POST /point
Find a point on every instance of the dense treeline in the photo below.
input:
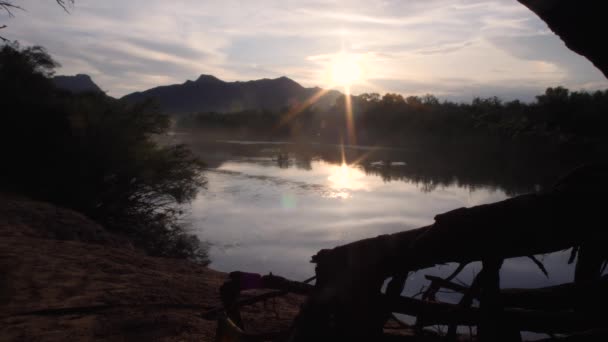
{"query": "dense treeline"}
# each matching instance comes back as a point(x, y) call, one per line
point(94, 154)
point(558, 117)
point(260, 124)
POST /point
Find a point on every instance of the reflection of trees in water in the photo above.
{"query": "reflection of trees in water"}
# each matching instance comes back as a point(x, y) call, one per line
point(282, 160)
point(304, 161)
point(512, 169)
point(429, 175)
point(430, 182)
point(300, 161)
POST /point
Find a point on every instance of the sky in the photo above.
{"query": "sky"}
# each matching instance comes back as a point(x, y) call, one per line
point(454, 49)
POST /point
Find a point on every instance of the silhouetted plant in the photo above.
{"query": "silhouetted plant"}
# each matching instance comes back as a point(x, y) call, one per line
point(95, 154)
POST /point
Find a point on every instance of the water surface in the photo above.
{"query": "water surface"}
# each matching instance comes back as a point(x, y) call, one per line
point(269, 207)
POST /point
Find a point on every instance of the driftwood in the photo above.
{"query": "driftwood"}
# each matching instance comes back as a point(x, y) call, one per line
point(527, 313)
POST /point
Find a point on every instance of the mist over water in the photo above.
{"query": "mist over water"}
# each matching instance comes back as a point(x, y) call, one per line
point(270, 206)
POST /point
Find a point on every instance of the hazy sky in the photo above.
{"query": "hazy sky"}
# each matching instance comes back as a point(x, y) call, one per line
point(454, 49)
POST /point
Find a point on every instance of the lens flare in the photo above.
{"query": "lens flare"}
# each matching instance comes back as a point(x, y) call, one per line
point(296, 110)
point(350, 122)
point(288, 201)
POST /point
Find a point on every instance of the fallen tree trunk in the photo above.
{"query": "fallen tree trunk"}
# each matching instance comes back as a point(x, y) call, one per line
point(347, 302)
point(521, 226)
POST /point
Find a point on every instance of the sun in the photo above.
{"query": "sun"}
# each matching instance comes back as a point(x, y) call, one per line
point(345, 70)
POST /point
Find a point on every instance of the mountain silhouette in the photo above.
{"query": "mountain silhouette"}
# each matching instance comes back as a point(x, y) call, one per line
point(76, 84)
point(210, 94)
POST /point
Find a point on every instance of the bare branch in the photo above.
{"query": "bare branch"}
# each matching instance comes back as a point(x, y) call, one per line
point(65, 4)
point(573, 255)
point(457, 271)
point(2, 38)
point(539, 264)
point(8, 7)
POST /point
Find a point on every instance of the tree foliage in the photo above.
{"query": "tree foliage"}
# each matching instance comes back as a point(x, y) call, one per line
point(94, 154)
point(558, 117)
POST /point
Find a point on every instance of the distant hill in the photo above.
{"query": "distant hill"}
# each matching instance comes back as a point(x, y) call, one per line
point(76, 84)
point(210, 94)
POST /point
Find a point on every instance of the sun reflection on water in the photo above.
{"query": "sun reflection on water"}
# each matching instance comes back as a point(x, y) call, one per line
point(346, 177)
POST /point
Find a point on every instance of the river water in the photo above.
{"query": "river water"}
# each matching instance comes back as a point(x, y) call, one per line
point(268, 207)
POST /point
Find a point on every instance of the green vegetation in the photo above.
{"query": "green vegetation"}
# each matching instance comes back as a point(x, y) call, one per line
point(94, 154)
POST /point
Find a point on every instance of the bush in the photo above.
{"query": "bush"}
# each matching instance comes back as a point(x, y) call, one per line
point(95, 154)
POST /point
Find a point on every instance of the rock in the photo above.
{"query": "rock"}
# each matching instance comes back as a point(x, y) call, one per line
point(23, 217)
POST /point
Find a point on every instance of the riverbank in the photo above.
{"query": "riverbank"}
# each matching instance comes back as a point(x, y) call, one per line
point(64, 277)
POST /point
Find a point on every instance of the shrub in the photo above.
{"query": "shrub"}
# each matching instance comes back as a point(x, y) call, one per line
point(95, 154)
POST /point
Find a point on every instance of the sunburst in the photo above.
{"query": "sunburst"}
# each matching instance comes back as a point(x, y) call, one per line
point(345, 70)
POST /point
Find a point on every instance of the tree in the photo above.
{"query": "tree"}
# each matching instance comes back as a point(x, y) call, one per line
point(370, 97)
point(430, 100)
point(94, 154)
point(413, 101)
point(558, 95)
point(390, 98)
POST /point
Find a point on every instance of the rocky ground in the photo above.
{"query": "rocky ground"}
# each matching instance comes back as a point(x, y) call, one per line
point(63, 277)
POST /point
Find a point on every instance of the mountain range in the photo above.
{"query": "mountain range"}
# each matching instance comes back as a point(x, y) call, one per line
point(76, 84)
point(210, 94)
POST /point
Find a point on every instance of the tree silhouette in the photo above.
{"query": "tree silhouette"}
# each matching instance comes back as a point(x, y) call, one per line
point(94, 154)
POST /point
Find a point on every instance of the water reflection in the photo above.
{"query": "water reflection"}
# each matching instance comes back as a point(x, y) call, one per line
point(512, 170)
point(346, 177)
point(282, 160)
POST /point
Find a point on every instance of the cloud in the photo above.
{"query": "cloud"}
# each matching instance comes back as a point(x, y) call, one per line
point(488, 45)
point(465, 90)
point(548, 48)
point(444, 49)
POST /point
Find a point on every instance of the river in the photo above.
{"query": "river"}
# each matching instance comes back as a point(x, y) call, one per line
point(268, 207)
